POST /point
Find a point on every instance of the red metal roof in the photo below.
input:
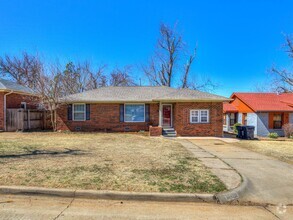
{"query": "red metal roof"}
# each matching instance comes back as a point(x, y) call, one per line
point(267, 101)
point(227, 107)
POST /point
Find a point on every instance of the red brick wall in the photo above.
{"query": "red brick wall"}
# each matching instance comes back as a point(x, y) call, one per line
point(105, 117)
point(155, 131)
point(1, 111)
point(182, 125)
point(14, 101)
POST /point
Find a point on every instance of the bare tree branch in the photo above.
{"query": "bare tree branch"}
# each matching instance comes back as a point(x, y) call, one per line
point(121, 77)
point(283, 79)
point(166, 67)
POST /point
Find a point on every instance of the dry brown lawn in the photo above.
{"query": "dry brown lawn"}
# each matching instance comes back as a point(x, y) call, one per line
point(283, 150)
point(121, 162)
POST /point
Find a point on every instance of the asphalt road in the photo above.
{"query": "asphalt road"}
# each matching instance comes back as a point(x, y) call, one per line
point(41, 207)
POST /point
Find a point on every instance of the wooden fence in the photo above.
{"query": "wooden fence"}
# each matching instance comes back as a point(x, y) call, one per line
point(21, 120)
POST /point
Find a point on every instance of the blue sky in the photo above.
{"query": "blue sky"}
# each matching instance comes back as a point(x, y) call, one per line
point(238, 41)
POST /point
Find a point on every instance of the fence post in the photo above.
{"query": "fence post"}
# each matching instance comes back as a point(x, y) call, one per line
point(20, 120)
point(28, 119)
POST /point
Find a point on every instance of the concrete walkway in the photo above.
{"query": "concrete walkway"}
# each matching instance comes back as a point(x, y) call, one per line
point(269, 180)
point(40, 207)
point(224, 172)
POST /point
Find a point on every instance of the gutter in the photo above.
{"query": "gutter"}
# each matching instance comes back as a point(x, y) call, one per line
point(11, 91)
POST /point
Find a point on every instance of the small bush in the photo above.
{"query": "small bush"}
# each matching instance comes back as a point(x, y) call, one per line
point(288, 130)
point(273, 135)
point(234, 127)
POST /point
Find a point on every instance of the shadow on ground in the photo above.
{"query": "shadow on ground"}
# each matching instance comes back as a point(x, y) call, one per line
point(44, 152)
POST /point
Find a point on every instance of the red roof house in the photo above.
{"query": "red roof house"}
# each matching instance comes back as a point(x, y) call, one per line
point(268, 112)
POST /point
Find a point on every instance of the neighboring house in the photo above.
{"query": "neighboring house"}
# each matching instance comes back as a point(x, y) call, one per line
point(182, 112)
point(13, 95)
point(268, 112)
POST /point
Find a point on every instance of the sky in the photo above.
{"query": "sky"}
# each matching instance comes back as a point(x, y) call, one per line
point(237, 41)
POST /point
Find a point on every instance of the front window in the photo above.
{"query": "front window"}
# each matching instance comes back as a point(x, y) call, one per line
point(199, 116)
point(277, 121)
point(79, 112)
point(134, 113)
point(232, 119)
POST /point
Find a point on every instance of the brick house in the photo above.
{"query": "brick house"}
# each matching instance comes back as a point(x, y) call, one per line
point(14, 96)
point(158, 109)
point(268, 112)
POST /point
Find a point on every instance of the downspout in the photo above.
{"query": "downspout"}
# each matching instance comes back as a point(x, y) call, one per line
point(160, 114)
point(11, 91)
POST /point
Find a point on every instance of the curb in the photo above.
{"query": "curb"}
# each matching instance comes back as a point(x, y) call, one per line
point(234, 194)
point(223, 197)
point(109, 195)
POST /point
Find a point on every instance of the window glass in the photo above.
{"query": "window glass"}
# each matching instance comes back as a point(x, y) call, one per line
point(232, 119)
point(194, 116)
point(134, 113)
point(204, 116)
point(199, 116)
point(78, 112)
point(277, 121)
point(78, 108)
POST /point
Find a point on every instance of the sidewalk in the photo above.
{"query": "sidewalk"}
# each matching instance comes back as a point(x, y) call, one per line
point(225, 139)
point(228, 175)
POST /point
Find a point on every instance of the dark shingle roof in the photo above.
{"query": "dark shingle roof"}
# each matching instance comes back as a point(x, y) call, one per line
point(9, 85)
point(142, 94)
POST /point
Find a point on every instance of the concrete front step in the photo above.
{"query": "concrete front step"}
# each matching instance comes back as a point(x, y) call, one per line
point(169, 132)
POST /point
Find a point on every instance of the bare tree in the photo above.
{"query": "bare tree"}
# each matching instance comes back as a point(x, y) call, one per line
point(49, 88)
point(81, 77)
point(167, 66)
point(184, 80)
point(283, 78)
point(96, 78)
point(160, 71)
point(121, 77)
point(25, 70)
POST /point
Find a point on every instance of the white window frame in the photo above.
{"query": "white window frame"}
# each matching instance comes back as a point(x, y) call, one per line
point(199, 116)
point(73, 111)
point(134, 104)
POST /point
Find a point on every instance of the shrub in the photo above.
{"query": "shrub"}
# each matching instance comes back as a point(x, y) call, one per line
point(234, 127)
point(273, 135)
point(288, 130)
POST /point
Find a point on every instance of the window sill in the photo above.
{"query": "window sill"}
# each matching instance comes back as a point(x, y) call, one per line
point(133, 122)
point(196, 123)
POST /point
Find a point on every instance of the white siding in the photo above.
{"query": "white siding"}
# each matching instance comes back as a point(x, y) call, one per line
point(239, 119)
point(252, 121)
point(262, 124)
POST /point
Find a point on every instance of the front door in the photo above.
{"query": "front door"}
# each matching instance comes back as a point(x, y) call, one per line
point(167, 115)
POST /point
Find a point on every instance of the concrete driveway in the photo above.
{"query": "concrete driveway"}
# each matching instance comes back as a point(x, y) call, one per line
point(269, 180)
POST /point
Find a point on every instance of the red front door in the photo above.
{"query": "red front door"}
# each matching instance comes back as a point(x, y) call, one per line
point(167, 116)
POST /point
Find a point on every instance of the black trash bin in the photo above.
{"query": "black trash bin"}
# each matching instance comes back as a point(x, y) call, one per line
point(250, 132)
point(245, 132)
